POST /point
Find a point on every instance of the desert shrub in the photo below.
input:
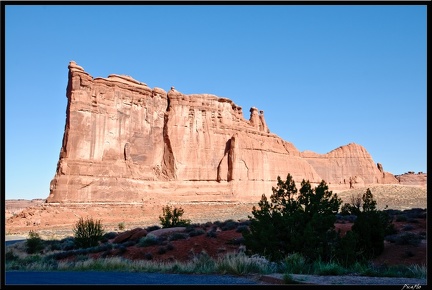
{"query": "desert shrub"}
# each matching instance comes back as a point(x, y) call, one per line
point(67, 244)
point(148, 240)
point(178, 236)
point(295, 263)
point(106, 254)
point(229, 225)
point(122, 249)
point(217, 224)
point(246, 222)
point(34, 243)
point(390, 271)
point(190, 228)
point(401, 218)
point(393, 212)
point(53, 245)
point(242, 228)
point(95, 249)
point(294, 222)
point(236, 241)
point(162, 250)
point(110, 235)
point(81, 258)
point(211, 233)
point(416, 213)
point(32, 259)
point(407, 228)
point(62, 255)
point(10, 256)
point(171, 217)
point(330, 268)
point(105, 247)
point(196, 232)
point(408, 238)
point(203, 263)
point(81, 251)
point(391, 238)
point(121, 226)
point(129, 243)
point(152, 228)
point(241, 264)
point(88, 232)
point(413, 220)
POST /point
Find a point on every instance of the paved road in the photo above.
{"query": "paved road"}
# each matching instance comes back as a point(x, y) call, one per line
point(120, 278)
point(10, 242)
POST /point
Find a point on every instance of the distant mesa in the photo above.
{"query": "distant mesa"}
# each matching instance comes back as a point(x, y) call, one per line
point(127, 142)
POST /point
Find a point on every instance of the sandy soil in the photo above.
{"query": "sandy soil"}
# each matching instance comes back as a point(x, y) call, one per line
point(57, 220)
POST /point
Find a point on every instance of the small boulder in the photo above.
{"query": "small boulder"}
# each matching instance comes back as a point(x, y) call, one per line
point(123, 237)
point(166, 231)
point(138, 235)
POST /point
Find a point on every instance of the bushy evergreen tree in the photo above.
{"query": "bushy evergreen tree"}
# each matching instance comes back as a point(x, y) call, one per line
point(294, 222)
point(370, 226)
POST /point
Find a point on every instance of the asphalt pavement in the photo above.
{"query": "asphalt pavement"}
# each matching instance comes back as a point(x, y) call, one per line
point(120, 278)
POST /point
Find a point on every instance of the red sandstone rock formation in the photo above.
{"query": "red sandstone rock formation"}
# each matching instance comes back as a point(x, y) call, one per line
point(126, 142)
point(411, 178)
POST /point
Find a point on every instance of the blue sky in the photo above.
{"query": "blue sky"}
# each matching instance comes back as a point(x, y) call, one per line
point(325, 75)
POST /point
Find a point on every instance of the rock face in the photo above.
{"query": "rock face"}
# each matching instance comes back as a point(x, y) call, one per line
point(126, 142)
point(411, 178)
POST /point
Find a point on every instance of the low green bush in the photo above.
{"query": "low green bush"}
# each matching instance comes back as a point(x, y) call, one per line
point(329, 268)
point(242, 229)
point(408, 238)
point(148, 240)
point(178, 236)
point(296, 264)
point(196, 232)
point(229, 225)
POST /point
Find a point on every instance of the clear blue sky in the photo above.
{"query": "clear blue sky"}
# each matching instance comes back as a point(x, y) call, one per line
point(325, 75)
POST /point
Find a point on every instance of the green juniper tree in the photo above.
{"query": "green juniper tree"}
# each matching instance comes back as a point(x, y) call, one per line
point(370, 227)
point(294, 222)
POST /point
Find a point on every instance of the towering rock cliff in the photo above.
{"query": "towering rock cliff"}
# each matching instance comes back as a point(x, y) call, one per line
point(126, 142)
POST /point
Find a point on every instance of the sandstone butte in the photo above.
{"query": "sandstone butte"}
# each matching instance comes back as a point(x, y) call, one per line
point(126, 142)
